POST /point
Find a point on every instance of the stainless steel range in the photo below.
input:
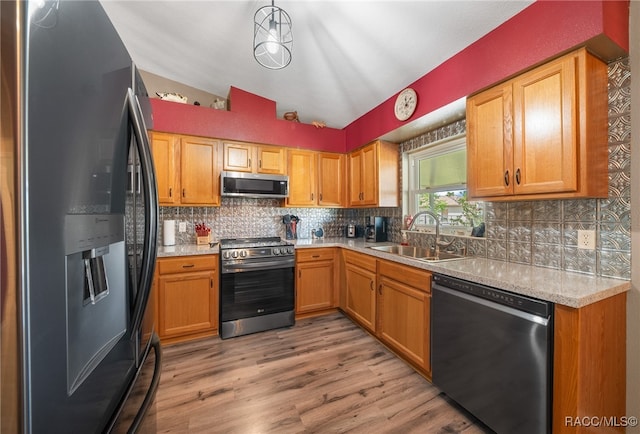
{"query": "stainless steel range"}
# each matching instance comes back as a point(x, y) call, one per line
point(257, 286)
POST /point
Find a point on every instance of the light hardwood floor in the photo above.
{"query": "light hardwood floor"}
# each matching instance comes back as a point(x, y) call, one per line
point(324, 375)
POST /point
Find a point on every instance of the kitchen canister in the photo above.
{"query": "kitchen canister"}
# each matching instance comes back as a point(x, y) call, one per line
point(169, 233)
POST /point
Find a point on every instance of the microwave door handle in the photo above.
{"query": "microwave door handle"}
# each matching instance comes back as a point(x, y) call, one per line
point(150, 190)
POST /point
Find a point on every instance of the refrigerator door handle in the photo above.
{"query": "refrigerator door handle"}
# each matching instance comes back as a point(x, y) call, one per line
point(155, 382)
point(150, 190)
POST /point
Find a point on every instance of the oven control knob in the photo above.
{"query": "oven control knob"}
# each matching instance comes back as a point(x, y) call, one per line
point(290, 250)
point(276, 251)
point(243, 253)
point(225, 255)
point(234, 254)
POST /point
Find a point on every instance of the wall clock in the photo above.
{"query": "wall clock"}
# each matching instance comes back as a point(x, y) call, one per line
point(406, 104)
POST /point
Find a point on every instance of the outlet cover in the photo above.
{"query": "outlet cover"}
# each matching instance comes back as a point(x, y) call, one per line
point(182, 227)
point(586, 240)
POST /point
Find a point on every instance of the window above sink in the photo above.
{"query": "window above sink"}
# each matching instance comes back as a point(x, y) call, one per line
point(435, 179)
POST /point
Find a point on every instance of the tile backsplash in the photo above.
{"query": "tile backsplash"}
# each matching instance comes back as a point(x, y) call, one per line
point(542, 233)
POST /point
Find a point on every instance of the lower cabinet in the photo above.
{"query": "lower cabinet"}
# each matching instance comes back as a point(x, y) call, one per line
point(360, 301)
point(404, 306)
point(316, 288)
point(187, 297)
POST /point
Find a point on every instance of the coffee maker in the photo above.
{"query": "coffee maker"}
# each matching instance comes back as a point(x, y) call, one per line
point(376, 229)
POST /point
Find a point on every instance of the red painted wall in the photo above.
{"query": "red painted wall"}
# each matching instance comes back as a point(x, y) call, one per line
point(252, 118)
point(542, 31)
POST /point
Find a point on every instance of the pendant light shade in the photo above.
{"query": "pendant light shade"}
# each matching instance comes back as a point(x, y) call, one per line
point(272, 37)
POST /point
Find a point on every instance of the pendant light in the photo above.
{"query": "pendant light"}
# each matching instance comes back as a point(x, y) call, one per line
point(272, 37)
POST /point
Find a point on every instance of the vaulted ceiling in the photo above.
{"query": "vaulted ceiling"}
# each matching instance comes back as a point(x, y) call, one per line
point(348, 56)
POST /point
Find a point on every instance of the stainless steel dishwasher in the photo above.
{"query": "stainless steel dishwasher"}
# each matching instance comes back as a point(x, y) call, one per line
point(491, 352)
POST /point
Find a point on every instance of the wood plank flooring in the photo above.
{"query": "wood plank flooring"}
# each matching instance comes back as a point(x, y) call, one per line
point(324, 375)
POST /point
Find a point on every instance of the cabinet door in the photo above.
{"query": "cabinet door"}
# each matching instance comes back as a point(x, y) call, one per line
point(369, 175)
point(271, 160)
point(355, 177)
point(302, 178)
point(489, 143)
point(545, 129)
point(361, 295)
point(331, 174)
point(404, 320)
point(237, 156)
point(314, 286)
point(200, 178)
point(187, 303)
point(165, 150)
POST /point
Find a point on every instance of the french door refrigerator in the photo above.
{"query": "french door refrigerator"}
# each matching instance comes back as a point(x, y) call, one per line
point(78, 226)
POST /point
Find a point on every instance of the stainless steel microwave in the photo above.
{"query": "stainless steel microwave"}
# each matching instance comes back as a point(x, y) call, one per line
point(242, 184)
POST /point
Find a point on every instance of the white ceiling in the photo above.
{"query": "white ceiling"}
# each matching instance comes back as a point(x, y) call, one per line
point(348, 56)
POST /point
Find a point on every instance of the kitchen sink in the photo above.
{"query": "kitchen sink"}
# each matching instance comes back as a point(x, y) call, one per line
point(421, 253)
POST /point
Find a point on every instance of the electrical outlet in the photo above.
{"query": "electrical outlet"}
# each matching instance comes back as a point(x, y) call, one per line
point(587, 240)
point(182, 227)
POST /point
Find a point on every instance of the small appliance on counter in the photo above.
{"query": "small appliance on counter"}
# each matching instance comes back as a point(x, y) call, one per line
point(351, 231)
point(376, 229)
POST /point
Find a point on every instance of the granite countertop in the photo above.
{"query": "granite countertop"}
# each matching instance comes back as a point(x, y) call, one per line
point(562, 287)
point(187, 250)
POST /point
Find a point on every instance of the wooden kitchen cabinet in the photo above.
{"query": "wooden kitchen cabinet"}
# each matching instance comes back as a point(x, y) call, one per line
point(252, 158)
point(589, 365)
point(166, 157)
point(542, 134)
point(187, 169)
point(315, 178)
point(316, 288)
point(187, 297)
point(360, 276)
point(404, 309)
point(373, 175)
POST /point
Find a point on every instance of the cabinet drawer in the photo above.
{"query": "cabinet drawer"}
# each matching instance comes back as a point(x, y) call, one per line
point(411, 276)
point(361, 260)
point(320, 254)
point(186, 264)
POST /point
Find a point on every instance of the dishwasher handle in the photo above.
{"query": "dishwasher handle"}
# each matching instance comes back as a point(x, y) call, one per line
point(509, 299)
point(542, 320)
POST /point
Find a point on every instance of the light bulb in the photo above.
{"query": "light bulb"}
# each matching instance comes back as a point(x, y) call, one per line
point(272, 39)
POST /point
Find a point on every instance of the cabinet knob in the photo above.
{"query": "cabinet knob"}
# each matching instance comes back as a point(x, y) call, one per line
point(380, 289)
point(170, 192)
point(249, 162)
point(506, 177)
point(184, 193)
point(371, 284)
point(518, 176)
point(311, 196)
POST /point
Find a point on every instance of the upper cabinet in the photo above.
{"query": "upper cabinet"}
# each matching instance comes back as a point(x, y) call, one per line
point(315, 178)
point(541, 135)
point(373, 175)
point(187, 169)
point(247, 157)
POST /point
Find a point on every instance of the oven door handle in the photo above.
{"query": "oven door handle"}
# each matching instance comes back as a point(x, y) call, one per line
point(257, 266)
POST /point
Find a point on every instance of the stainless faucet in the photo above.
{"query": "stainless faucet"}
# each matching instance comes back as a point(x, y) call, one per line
point(437, 219)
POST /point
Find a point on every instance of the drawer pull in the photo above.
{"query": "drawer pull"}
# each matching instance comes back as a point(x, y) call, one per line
point(315, 256)
point(188, 266)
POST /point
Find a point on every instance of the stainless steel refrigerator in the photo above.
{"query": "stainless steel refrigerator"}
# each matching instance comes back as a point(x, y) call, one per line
point(78, 225)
